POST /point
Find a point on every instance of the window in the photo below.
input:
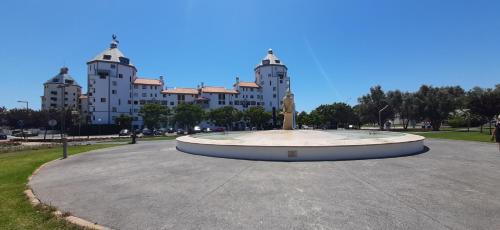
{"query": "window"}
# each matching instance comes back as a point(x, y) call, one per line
point(180, 98)
point(274, 95)
point(129, 102)
point(144, 87)
point(135, 102)
point(106, 57)
point(113, 66)
point(251, 89)
point(120, 75)
point(270, 83)
point(144, 94)
point(113, 109)
point(251, 96)
point(113, 83)
point(119, 101)
point(103, 99)
point(274, 88)
point(171, 103)
point(151, 87)
point(135, 87)
point(113, 91)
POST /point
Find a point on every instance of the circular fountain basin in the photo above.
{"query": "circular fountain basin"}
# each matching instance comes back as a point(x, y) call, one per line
point(302, 145)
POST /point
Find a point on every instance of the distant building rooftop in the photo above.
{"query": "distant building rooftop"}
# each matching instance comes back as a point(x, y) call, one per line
point(147, 81)
point(180, 91)
point(217, 89)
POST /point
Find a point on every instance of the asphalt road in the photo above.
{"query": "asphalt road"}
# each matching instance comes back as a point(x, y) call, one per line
point(151, 185)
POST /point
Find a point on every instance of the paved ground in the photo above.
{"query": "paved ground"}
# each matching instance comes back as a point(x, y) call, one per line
point(454, 185)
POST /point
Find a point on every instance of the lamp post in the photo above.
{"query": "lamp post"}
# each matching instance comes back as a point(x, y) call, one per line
point(380, 117)
point(63, 120)
point(26, 102)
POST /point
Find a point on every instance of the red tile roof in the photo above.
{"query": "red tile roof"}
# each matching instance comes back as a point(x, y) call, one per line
point(145, 81)
point(180, 91)
point(248, 84)
point(217, 89)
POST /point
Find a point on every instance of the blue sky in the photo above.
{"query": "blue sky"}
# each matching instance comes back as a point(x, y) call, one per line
point(335, 50)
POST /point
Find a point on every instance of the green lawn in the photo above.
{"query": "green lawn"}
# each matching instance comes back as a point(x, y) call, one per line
point(157, 138)
point(453, 135)
point(16, 211)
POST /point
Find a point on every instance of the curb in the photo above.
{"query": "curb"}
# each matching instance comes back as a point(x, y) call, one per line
point(70, 218)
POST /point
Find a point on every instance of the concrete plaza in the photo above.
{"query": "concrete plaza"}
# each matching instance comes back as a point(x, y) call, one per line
point(151, 185)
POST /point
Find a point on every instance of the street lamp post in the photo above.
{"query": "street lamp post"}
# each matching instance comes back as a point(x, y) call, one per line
point(63, 121)
point(26, 102)
point(380, 117)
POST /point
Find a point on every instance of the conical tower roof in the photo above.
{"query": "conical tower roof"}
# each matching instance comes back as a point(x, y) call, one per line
point(62, 78)
point(112, 54)
point(270, 59)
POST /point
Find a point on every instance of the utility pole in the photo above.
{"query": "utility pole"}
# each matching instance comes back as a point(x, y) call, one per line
point(63, 121)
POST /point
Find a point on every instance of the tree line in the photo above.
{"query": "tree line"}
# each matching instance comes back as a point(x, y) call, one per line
point(434, 105)
point(188, 115)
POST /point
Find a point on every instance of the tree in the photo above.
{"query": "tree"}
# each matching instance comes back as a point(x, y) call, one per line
point(152, 114)
point(436, 103)
point(484, 102)
point(371, 104)
point(403, 104)
point(188, 115)
point(316, 119)
point(124, 121)
point(335, 115)
point(302, 119)
point(257, 116)
point(224, 116)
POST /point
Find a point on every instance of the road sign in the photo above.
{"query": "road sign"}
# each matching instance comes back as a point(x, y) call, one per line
point(52, 123)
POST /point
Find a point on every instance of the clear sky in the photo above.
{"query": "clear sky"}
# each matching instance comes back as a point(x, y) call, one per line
point(335, 50)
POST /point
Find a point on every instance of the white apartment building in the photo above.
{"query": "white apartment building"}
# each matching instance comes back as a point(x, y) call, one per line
point(114, 89)
point(54, 88)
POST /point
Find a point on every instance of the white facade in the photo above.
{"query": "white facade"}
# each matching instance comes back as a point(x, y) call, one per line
point(53, 89)
point(110, 77)
point(271, 75)
point(115, 89)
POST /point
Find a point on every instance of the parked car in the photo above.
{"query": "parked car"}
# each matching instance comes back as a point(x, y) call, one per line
point(170, 130)
point(219, 129)
point(147, 132)
point(3, 136)
point(158, 132)
point(180, 131)
point(25, 133)
point(206, 130)
point(124, 132)
point(197, 129)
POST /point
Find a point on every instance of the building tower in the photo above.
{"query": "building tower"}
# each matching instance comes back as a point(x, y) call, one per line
point(110, 78)
point(271, 75)
point(52, 92)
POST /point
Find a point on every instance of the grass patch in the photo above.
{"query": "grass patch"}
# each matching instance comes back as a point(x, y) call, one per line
point(157, 138)
point(464, 136)
point(16, 211)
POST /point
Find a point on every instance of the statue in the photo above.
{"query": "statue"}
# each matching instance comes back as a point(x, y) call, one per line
point(288, 110)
